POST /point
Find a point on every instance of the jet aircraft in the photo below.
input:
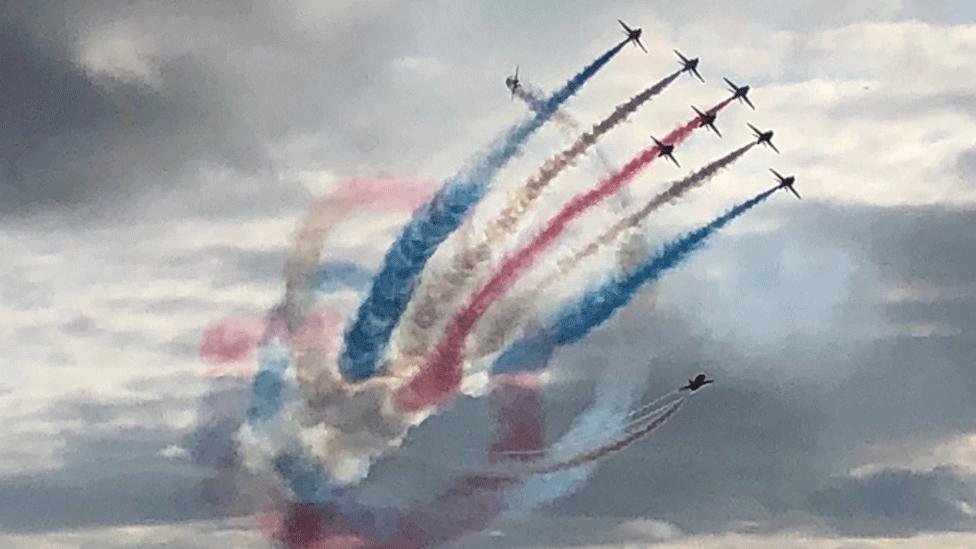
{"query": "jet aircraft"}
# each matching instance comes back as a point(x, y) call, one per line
point(763, 137)
point(665, 149)
point(633, 35)
point(697, 383)
point(689, 65)
point(786, 182)
point(707, 119)
point(512, 82)
point(739, 92)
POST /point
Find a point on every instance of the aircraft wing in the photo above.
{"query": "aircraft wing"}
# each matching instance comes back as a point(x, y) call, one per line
point(746, 99)
point(700, 114)
point(777, 174)
point(773, 146)
point(683, 58)
point(698, 75)
point(624, 25)
point(718, 133)
point(673, 159)
point(754, 129)
point(641, 45)
point(729, 82)
point(796, 194)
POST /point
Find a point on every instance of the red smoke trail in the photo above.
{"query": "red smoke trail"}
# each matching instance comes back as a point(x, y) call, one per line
point(520, 422)
point(442, 376)
point(231, 339)
point(475, 500)
point(468, 505)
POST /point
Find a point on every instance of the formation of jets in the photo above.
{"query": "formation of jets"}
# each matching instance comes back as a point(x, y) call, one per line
point(705, 119)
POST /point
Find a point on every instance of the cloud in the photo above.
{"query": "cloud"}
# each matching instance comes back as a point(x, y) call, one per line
point(104, 104)
point(839, 328)
point(899, 502)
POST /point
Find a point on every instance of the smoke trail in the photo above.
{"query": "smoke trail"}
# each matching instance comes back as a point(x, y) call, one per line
point(231, 339)
point(617, 445)
point(620, 423)
point(270, 439)
point(368, 336)
point(673, 192)
point(534, 98)
point(442, 375)
point(442, 290)
point(630, 432)
point(324, 216)
point(469, 504)
point(596, 306)
point(503, 326)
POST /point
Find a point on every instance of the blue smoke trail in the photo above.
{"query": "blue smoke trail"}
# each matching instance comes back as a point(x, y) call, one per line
point(578, 319)
point(333, 276)
point(368, 336)
point(300, 471)
point(304, 475)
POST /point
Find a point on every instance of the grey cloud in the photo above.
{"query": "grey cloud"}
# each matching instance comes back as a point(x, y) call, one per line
point(117, 475)
point(898, 502)
point(90, 142)
point(762, 445)
point(966, 166)
point(68, 139)
point(795, 402)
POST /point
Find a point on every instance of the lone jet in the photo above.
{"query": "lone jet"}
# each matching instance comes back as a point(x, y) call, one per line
point(512, 82)
point(763, 137)
point(740, 93)
point(665, 149)
point(707, 120)
point(697, 383)
point(785, 182)
point(633, 35)
point(689, 65)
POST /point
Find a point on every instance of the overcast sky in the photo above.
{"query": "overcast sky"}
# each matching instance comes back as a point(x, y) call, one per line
point(155, 159)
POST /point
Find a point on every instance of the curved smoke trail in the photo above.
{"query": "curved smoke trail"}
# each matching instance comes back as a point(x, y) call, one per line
point(441, 290)
point(596, 306)
point(616, 446)
point(523, 464)
point(442, 375)
point(297, 338)
point(306, 254)
point(469, 504)
point(501, 329)
point(369, 334)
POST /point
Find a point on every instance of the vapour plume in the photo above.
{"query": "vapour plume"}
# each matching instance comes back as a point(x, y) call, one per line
point(502, 326)
point(440, 291)
point(594, 307)
point(534, 98)
point(443, 372)
point(369, 334)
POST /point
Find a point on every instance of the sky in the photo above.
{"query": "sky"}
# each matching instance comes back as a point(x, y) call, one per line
point(156, 158)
